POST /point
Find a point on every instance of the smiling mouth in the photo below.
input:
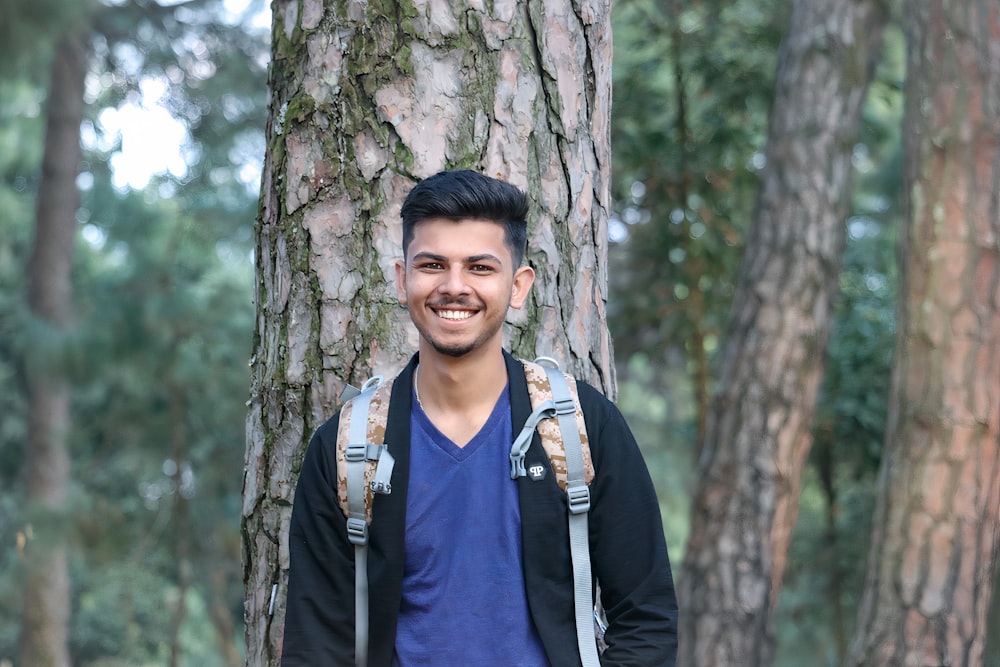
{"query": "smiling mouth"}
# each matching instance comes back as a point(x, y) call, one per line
point(454, 315)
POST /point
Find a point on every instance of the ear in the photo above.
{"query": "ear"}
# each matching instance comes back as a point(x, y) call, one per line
point(524, 277)
point(401, 281)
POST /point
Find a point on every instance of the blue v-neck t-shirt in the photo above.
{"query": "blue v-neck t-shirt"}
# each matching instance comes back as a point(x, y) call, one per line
point(464, 599)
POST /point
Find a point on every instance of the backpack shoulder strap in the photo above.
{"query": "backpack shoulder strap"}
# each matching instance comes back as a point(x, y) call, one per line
point(364, 468)
point(557, 415)
point(551, 390)
point(362, 423)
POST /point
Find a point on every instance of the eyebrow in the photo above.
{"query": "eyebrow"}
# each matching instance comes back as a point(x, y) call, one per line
point(472, 259)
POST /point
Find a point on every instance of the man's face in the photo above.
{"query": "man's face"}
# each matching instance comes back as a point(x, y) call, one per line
point(458, 281)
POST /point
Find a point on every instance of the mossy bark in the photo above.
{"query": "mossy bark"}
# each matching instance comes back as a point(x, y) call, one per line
point(368, 98)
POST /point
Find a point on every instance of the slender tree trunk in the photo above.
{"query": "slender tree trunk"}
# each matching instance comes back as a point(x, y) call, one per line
point(758, 432)
point(696, 309)
point(363, 105)
point(45, 615)
point(181, 526)
point(936, 537)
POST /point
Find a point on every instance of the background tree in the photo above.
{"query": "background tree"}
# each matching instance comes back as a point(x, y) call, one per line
point(823, 577)
point(759, 429)
point(935, 546)
point(688, 129)
point(45, 625)
point(366, 100)
point(161, 289)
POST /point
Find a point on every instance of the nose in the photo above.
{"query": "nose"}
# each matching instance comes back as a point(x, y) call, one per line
point(454, 282)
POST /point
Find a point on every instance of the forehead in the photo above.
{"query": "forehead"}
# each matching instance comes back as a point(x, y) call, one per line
point(459, 238)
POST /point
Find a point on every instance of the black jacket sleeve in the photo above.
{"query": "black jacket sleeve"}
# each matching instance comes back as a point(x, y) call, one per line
point(628, 550)
point(319, 616)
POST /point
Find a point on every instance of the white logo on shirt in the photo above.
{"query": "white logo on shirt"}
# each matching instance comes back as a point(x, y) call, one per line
point(536, 472)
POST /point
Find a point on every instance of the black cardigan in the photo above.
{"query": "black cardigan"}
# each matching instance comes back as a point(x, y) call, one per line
point(628, 552)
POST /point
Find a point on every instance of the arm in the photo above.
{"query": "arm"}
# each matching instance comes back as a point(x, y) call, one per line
point(628, 550)
point(319, 618)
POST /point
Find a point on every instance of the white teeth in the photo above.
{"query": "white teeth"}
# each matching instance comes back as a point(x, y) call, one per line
point(454, 314)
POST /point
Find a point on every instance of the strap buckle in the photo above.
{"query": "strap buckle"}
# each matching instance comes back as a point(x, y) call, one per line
point(579, 498)
point(357, 531)
point(565, 406)
point(356, 453)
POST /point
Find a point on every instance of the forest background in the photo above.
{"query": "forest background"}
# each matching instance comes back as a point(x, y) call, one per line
point(156, 351)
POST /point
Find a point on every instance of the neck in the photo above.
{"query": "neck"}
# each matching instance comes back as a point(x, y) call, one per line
point(453, 384)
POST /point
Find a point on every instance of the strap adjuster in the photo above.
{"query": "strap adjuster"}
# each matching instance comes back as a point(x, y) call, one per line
point(579, 498)
point(356, 453)
point(357, 531)
point(565, 406)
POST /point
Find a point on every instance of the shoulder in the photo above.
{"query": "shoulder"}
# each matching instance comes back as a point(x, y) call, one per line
point(592, 397)
point(320, 461)
point(608, 433)
point(597, 408)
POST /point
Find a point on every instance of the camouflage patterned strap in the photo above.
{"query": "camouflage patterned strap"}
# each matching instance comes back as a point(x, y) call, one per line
point(362, 422)
point(364, 467)
point(578, 497)
point(540, 391)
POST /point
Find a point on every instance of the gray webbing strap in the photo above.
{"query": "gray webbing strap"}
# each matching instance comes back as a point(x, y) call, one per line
point(579, 504)
point(359, 452)
point(523, 441)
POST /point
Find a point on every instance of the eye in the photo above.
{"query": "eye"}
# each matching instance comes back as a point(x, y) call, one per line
point(481, 268)
point(430, 266)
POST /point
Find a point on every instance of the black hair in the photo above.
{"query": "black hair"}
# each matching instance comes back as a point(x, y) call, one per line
point(465, 194)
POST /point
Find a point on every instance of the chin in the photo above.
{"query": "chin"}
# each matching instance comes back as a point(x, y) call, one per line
point(453, 350)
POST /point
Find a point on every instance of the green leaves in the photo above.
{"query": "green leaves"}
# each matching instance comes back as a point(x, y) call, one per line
point(163, 299)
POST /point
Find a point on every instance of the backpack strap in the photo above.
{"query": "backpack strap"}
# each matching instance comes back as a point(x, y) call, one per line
point(554, 394)
point(364, 468)
point(549, 430)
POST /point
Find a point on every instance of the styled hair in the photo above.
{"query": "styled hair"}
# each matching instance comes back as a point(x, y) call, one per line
point(465, 194)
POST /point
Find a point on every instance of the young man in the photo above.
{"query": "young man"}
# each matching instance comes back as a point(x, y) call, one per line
point(466, 566)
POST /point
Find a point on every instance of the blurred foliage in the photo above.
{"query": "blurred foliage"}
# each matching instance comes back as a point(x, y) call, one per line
point(693, 84)
point(163, 287)
point(29, 28)
point(660, 412)
point(695, 81)
point(692, 87)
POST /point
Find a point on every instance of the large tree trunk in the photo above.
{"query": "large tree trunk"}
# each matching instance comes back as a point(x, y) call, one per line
point(46, 611)
point(936, 536)
point(758, 432)
point(363, 105)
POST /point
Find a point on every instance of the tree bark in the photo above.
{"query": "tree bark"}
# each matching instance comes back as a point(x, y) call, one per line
point(936, 537)
point(368, 98)
point(45, 615)
point(759, 427)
